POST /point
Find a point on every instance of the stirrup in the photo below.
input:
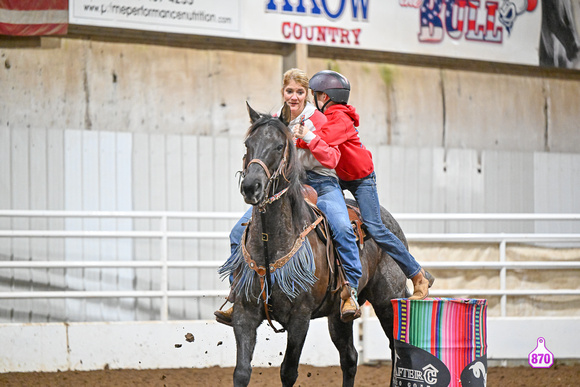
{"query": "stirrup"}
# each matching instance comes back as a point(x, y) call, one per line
point(348, 294)
point(221, 316)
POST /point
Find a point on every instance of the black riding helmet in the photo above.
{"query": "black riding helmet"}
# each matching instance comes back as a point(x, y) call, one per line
point(335, 85)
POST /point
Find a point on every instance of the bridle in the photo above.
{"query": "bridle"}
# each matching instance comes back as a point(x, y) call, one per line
point(272, 178)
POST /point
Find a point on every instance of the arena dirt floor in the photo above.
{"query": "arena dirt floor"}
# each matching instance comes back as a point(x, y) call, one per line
point(556, 376)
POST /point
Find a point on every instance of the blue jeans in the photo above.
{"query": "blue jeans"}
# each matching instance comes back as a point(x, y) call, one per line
point(236, 235)
point(331, 203)
point(238, 230)
point(365, 192)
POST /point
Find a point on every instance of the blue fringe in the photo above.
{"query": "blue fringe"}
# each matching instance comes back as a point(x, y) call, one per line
point(295, 276)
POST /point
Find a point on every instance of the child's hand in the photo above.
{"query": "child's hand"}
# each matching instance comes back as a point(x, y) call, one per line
point(300, 131)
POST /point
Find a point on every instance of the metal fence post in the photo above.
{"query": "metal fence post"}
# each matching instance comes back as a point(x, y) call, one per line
point(164, 271)
point(502, 277)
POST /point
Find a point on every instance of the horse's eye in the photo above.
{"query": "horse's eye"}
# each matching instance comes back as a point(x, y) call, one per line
point(279, 148)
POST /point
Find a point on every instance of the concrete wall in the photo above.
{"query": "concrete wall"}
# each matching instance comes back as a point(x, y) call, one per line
point(151, 345)
point(413, 106)
point(91, 84)
point(155, 345)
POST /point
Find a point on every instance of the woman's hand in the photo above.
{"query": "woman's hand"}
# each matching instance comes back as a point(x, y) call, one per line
point(300, 131)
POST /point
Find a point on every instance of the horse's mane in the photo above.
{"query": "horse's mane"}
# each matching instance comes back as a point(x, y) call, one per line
point(294, 171)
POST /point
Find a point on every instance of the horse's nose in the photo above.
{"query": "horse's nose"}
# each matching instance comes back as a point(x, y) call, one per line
point(251, 190)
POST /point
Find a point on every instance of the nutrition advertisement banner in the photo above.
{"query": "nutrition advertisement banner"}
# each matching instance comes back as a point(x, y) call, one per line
point(509, 31)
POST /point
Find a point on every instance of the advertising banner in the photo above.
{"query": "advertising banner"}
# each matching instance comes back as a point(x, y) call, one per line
point(509, 31)
point(440, 342)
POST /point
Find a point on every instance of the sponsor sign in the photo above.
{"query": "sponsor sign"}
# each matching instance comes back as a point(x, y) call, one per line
point(508, 31)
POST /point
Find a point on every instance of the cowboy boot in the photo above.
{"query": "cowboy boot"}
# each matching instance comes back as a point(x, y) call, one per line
point(349, 308)
point(430, 278)
point(225, 316)
point(421, 285)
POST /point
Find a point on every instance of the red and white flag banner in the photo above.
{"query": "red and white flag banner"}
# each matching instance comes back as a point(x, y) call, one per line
point(33, 17)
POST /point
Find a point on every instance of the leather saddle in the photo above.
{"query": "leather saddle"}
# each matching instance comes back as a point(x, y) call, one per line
point(354, 215)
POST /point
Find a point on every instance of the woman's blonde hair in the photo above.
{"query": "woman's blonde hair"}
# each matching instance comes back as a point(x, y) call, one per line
point(299, 77)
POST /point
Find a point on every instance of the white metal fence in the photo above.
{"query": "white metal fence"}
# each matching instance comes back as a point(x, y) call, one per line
point(164, 263)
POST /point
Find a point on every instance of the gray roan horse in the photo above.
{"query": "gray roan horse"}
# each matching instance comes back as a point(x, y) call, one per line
point(289, 269)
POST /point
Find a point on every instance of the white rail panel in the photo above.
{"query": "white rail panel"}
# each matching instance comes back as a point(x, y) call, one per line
point(163, 263)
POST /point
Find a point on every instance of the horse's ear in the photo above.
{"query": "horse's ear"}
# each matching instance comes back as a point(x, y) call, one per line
point(285, 114)
point(254, 115)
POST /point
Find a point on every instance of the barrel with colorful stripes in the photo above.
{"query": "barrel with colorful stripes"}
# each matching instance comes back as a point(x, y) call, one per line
point(440, 342)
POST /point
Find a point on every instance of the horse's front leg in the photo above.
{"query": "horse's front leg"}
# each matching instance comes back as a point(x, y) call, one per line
point(297, 330)
point(245, 322)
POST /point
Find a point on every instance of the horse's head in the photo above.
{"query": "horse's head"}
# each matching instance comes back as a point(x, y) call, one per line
point(269, 163)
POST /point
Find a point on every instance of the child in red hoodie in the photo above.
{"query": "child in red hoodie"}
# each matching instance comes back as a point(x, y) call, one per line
point(336, 144)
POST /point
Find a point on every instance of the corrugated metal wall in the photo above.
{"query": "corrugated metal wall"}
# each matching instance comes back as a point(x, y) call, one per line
point(97, 176)
point(112, 171)
point(462, 180)
point(85, 170)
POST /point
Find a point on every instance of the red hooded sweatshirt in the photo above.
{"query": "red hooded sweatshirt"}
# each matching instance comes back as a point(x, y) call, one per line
point(337, 145)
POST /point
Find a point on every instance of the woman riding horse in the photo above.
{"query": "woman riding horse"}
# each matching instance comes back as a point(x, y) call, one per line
point(325, 181)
